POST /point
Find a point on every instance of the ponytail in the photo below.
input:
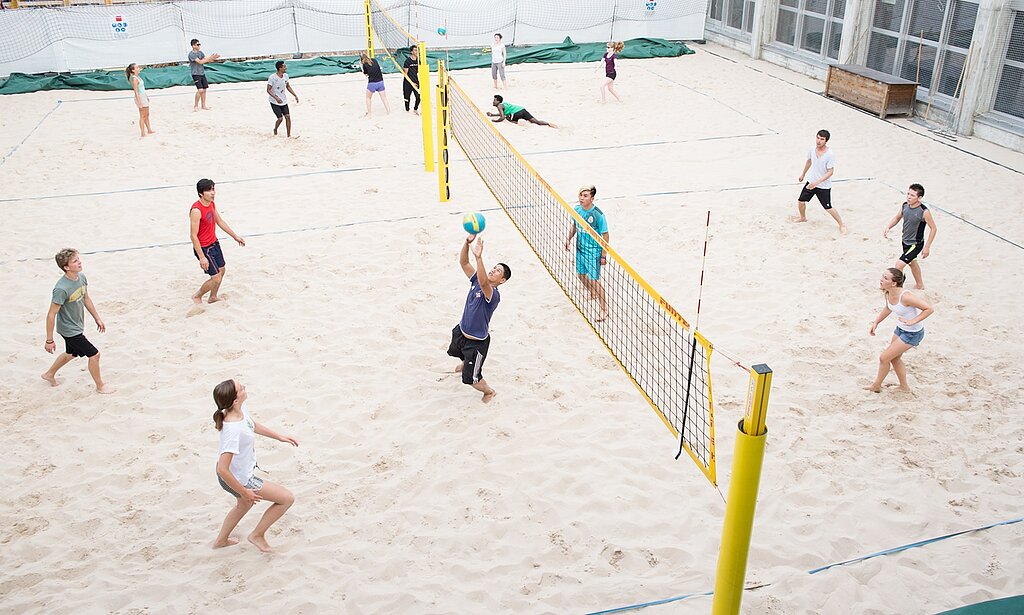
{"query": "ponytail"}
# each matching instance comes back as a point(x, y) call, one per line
point(618, 46)
point(224, 395)
point(128, 72)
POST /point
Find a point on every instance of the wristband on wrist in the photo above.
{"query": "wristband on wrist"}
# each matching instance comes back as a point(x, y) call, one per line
point(49, 341)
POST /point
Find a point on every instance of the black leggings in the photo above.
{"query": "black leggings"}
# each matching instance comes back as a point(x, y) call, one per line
point(408, 92)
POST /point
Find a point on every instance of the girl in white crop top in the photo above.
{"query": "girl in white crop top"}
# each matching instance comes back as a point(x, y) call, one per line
point(236, 464)
point(910, 310)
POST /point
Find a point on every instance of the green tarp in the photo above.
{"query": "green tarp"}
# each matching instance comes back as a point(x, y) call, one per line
point(1002, 606)
point(235, 72)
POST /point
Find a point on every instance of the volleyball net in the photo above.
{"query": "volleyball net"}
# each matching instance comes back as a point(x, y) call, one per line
point(385, 34)
point(656, 347)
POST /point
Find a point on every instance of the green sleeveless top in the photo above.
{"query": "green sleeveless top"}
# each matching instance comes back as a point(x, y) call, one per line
point(510, 109)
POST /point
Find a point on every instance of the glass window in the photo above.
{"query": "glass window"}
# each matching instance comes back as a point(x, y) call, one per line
point(889, 14)
point(735, 14)
point(882, 52)
point(835, 37)
point(792, 3)
point(748, 19)
point(1010, 95)
point(819, 7)
point(952, 67)
point(1015, 51)
point(926, 19)
point(839, 9)
point(813, 33)
point(961, 29)
point(910, 68)
point(715, 10)
point(785, 29)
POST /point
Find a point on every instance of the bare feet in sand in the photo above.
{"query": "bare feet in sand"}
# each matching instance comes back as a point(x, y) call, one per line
point(842, 229)
point(796, 219)
point(197, 299)
point(603, 316)
point(873, 388)
point(227, 543)
point(213, 299)
point(488, 396)
point(104, 389)
point(260, 542)
point(47, 377)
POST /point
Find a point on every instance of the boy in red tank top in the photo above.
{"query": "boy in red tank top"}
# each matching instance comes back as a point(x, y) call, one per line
point(204, 220)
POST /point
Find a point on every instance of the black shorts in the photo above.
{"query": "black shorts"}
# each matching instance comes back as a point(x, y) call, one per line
point(611, 75)
point(78, 346)
point(214, 256)
point(824, 196)
point(279, 110)
point(201, 82)
point(520, 115)
point(471, 352)
point(910, 251)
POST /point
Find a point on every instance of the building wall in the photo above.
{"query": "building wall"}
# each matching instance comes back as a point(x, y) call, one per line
point(968, 57)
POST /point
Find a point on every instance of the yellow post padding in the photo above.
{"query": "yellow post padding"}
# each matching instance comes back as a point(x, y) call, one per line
point(428, 130)
point(752, 432)
point(444, 189)
point(369, 28)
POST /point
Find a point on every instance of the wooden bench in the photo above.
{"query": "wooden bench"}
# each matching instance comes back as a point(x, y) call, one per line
point(871, 90)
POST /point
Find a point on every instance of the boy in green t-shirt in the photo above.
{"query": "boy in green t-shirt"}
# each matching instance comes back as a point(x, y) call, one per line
point(67, 312)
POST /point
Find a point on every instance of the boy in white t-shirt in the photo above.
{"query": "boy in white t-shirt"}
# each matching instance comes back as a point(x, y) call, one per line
point(498, 57)
point(277, 85)
point(821, 164)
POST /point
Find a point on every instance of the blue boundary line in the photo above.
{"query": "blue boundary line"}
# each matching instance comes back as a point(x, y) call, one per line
point(30, 133)
point(855, 560)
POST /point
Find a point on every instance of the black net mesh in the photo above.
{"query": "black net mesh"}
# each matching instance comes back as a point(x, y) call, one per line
point(392, 39)
point(650, 340)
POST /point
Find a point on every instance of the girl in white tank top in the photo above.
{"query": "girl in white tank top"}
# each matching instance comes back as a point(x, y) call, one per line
point(910, 310)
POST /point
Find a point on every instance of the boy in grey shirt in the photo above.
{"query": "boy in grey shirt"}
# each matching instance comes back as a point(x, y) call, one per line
point(916, 218)
point(196, 60)
point(67, 311)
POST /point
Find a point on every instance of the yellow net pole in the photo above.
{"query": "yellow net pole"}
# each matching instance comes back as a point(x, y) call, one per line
point(443, 123)
point(428, 130)
point(739, 511)
point(369, 28)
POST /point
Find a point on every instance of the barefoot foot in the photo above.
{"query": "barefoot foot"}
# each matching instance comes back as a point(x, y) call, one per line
point(488, 396)
point(842, 229)
point(796, 219)
point(197, 299)
point(603, 316)
point(105, 390)
point(873, 389)
point(227, 543)
point(213, 299)
point(260, 542)
point(47, 377)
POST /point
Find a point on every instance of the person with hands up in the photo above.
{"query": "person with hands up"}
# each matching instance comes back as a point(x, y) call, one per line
point(471, 338)
point(236, 466)
point(910, 310)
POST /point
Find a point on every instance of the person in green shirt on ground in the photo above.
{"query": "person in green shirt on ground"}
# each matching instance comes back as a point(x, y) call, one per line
point(513, 113)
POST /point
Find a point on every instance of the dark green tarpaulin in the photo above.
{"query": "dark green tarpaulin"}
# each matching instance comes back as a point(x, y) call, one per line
point(235, 72)
point(1002, 606)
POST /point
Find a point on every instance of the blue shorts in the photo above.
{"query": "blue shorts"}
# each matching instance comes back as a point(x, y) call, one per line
point(909, 337)
point(375, 86)
point(589, 264)
point(215, 256)
point(255, 483)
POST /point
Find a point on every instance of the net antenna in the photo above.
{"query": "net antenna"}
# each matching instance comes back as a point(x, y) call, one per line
point(398, 45)
point(696, 327)
point(666, 358)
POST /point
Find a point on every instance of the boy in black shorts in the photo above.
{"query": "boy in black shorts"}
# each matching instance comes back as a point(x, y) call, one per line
point(818, 169)
point(513, 113)
point(70, 299)
point(196, 60)
point(471, 338)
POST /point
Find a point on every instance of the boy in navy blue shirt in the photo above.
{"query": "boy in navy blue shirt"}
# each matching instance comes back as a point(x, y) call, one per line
point(471, 337)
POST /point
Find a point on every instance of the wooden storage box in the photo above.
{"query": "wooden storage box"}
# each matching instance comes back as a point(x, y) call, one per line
point(871, 90)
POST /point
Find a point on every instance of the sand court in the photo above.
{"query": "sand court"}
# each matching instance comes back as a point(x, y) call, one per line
point(561, 495)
